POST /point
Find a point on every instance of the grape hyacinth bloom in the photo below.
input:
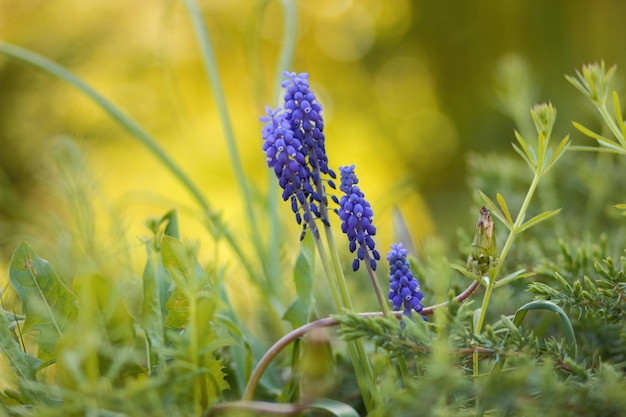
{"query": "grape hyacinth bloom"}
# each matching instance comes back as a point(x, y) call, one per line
point(285, 154)
point(294, 148)
point(404, 288)
point(304, 113)
point(356, 219)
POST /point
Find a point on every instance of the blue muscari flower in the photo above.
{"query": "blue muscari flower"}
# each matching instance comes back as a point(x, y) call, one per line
point(304, 113)
point(285, 154)
point(356, 219)
point(294, 148)
point(404, 288)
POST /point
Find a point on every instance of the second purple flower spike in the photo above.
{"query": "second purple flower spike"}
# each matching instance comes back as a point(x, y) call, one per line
point(356, 219)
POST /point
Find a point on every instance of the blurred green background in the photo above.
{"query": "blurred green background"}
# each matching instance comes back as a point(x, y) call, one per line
point(408, 89)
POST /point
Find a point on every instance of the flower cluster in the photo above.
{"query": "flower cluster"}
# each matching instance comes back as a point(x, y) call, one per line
point(356, 219)
point(294, 148)
point(404, 288)
point(304, 113)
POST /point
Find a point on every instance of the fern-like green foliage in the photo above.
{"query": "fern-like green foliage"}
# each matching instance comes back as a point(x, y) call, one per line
point(601, 295)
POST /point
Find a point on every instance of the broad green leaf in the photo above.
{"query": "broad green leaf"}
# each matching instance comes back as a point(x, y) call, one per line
point(538, 219)
point(49, 306)
point(172, 224)
point(505, 209)
point(23, 365)
point(298, 312)
point(495, 210)
point(177, 310)
point(216, 378)
point(568, 329)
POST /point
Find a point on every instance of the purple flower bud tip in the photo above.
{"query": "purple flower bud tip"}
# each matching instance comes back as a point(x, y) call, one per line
point(404, 288)
point(293, 142)
point(356, 219)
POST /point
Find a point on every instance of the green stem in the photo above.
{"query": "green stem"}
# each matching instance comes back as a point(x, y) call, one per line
point(377, 288)
point(287, 50)
point(360, 360)
point(212, 72)
point(493, 274)
point(505, 250)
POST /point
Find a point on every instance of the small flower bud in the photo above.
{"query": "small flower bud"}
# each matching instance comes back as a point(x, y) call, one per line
point(544, 116)
point(484, 254)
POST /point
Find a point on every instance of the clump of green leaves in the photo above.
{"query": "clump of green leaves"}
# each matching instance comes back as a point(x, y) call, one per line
point(101, 357)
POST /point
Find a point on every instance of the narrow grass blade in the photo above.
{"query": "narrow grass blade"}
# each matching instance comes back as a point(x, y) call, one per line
point(213, 75)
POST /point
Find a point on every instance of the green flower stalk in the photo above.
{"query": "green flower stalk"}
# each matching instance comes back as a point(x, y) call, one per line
point(484, 254)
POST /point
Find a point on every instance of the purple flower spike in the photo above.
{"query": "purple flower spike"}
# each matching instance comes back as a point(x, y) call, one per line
point(356, 219)
point(404, 288)
point(294, 148)
point(284, 153)
point(304, 113)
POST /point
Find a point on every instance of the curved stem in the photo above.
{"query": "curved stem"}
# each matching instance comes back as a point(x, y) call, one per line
point(284, 341)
